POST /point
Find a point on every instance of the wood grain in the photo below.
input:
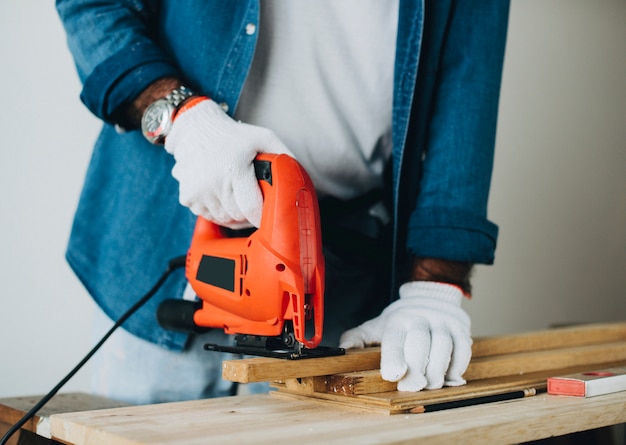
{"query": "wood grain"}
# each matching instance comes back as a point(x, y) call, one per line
point(580, 335)
point(360, 382)
point(270, 369)
point(396, 402)
point(371, 382)
point(526, 362)
point(263, 419)
point(492, 356)
point(14, 408)
point(329, 400)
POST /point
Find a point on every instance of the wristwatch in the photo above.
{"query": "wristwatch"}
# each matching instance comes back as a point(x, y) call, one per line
point(157, 120)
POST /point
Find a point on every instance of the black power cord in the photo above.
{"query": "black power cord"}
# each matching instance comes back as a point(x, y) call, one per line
point(171, 267)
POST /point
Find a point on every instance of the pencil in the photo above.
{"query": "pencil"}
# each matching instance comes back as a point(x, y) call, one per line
point(474, 401)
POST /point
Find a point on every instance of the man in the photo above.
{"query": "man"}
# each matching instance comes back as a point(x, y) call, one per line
point(390, 106)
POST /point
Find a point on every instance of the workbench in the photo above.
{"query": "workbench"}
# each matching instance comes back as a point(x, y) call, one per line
point(272, 419)
point(344, 400)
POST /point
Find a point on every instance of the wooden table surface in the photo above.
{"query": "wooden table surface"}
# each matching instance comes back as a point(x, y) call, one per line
point(37, 430)
point(267, 418)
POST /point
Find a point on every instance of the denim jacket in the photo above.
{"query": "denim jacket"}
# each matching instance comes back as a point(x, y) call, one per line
point(129, 223)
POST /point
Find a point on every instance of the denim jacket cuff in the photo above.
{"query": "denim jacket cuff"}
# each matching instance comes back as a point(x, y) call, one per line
point(452, 234)
point(122, 77)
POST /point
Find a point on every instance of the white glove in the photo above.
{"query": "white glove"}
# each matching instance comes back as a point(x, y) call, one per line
point(214, 155)
point(425, 337)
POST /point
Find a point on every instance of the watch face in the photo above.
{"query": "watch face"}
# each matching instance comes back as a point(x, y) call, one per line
point(156, 121)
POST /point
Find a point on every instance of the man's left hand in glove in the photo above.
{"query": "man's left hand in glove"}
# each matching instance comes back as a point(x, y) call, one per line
point(424, 336)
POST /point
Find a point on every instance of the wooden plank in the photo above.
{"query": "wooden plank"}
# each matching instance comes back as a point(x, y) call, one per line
point(268, 369)
point(526, 362)
point(396, 402)
point(12, 409)
point(263, 419)
point(394, 409)
point(37, 429)
point(307, 385)
point(361, 382)
point(580, 335)
point(491, 372)
point(369, 382)
point(346, 383)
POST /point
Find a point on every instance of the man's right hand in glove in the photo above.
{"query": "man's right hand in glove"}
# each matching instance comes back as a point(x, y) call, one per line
point(214, 156)
point(214, 163)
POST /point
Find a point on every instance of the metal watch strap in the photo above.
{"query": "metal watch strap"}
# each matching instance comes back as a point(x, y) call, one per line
point(178, 95)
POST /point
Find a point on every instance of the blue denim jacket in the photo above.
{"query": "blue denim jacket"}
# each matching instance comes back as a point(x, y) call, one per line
point(129, 223)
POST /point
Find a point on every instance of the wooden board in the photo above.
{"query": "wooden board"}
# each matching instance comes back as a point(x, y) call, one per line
point(492, 356)
point(262, 419)
point(579, 335)
point(323, 401)
point(270, 369)
point(499, 365)
point(12, 409)
point(396, 402)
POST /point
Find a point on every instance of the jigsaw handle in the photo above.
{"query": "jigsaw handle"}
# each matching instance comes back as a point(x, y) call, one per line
point(291, 223)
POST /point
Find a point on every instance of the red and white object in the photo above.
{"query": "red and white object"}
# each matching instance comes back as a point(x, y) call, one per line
point(589, 384)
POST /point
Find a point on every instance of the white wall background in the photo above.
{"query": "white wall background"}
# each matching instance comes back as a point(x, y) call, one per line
point(559, 186)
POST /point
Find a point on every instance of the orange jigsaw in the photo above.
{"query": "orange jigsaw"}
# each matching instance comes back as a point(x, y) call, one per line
point(267, 288)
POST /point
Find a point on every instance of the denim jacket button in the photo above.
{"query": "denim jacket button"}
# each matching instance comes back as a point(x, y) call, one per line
point(250, 28)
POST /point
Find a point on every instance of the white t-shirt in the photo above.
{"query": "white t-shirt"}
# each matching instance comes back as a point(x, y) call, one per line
point(322, 80)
